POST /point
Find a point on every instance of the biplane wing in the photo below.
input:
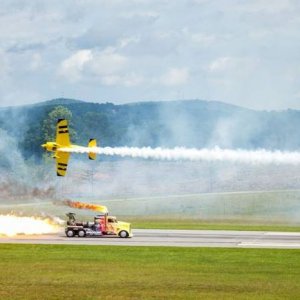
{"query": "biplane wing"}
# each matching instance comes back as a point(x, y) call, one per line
point(62, 133)
point(62, 159)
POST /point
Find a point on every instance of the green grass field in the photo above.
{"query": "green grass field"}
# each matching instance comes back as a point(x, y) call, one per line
point(159, 222)
point(103, 272)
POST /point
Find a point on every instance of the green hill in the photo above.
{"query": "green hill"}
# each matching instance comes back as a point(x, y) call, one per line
point(188, 123)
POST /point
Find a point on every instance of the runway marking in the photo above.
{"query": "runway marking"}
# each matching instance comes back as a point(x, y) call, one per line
point(270, 245)
point(177, 238)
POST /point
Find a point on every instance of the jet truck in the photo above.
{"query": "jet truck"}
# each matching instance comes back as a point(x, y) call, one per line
point(103, 225)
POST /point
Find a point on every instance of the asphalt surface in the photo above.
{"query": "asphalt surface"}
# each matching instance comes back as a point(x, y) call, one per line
point(178, 238)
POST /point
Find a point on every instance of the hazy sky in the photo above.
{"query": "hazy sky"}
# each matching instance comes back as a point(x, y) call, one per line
point(237, 51)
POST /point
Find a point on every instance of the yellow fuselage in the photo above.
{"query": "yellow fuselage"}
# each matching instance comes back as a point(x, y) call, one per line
point(53, 147)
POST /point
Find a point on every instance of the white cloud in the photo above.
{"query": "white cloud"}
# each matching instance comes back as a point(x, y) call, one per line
point(233, 65)
point(113, 69)
point(124, 42)
point(222, 64)
point(36, 62)
point(199, 38)
point(4, 65)
point(142, 14)
point(107, 62)
point(297, 95)
point(127, 80)
point(255, 6)
point(72, 67)
point(203, 39)
point(107, 67)
point(175, 76)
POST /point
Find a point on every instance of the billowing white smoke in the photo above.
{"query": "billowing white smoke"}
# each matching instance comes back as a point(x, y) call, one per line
point(11, 225)
point(215, 154)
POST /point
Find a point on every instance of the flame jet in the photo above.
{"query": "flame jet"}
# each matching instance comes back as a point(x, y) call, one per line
point(63, 142)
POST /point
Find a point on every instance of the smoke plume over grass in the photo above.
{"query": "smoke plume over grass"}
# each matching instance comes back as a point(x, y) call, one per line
point(20, 179)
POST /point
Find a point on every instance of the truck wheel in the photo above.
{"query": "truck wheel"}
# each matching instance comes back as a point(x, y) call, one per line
point(70, 233)
point(123, 234)
point(81, 233)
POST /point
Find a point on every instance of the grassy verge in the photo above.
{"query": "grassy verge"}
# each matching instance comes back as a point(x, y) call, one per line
point(185, 223)
point(95, 272)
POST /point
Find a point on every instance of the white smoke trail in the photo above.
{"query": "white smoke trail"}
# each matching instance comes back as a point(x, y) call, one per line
point(192, 154)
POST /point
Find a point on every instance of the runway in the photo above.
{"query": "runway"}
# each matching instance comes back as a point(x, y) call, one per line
point(177, 238)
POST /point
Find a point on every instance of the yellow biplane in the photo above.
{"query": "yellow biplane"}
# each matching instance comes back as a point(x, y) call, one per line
point(63, 142)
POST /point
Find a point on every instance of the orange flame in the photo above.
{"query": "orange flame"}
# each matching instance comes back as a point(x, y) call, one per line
point(82, 205)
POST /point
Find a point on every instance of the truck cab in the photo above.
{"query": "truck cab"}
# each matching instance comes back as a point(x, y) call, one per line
point(103, 225)
point(122, 229)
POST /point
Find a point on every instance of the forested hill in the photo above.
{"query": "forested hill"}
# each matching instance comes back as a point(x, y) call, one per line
point(188, 123)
